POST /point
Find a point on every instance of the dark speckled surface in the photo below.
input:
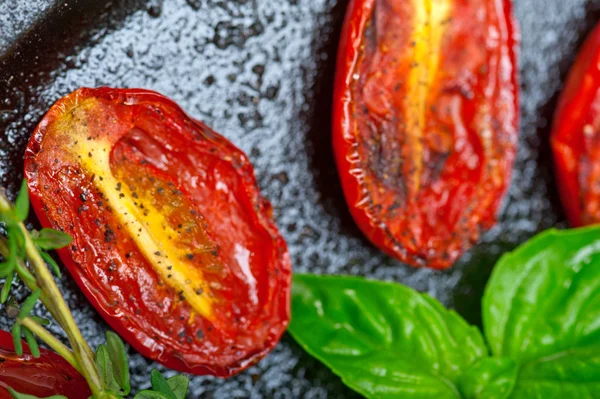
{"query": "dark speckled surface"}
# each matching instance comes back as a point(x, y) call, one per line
point(261, 73)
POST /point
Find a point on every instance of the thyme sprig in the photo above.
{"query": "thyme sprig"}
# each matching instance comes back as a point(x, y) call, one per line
point(26, 259)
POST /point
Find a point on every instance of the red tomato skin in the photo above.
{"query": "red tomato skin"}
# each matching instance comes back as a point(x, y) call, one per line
point(436, 237)
point(575, 151)
point(45, 376)
point(164, 335)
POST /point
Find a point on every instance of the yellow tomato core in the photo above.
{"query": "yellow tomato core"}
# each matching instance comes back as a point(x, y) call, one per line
point(430, 17)
point(156, 237)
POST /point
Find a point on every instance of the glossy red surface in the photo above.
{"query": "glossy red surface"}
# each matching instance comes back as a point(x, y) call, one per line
point(45, 376)
point(173, 243)
point(426, 122)
point(576, 136)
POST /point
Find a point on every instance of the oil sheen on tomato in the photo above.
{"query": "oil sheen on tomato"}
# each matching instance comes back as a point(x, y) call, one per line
point(576, 136)
point(45, 376)
point(172, 241)
point(426, 122)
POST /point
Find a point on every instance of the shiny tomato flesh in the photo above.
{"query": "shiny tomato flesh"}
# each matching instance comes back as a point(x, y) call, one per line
point(172, 242)
point(426, 122)
point(576, 136)
point(45, 376)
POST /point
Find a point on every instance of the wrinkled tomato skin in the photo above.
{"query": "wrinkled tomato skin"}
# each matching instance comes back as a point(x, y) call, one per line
point(45, 376)
point(425, 122)
point(575, 137)
point(207, 292)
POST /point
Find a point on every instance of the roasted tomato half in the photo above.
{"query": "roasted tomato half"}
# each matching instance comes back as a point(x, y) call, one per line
point(426, 122)
point(576, 136)
point(45, 376)
point(172, 242)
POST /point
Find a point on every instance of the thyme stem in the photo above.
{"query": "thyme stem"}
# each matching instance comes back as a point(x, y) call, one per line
point(51, 341)
point(55, 303)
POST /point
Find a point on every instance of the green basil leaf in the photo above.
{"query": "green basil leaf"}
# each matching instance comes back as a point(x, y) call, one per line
point(160, 384)
point(571, 374)
point(384, 340)
point(489, 378)
point(52, 239)
point(542, 308)
point(105, 367)
point(17, 395)
point(22, 203)
point(118, 357)
point(150, 395)
point(179, 385)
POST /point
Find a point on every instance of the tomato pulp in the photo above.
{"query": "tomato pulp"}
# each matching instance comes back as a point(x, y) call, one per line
point(426, 122)
point(45, 376)
point(172, 242)
point(576, 136)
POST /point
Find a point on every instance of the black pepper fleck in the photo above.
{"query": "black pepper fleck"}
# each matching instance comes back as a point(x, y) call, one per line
point(109, 235)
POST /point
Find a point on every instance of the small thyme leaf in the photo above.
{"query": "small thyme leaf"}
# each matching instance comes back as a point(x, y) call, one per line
point(118, 357)
point(53, 265)
point(29, 303)
point(17, 395)
point(13, 248)
point(179, 385)
point(22, 203)
point(160, 384)
point(105, 367)
point(52, 239)
point(16, 333)
point(25, 274)
point(31, 341)
point(6, 268)
point(150, 395)
point(40, 320)
point(17, 247)
point(6, 287)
